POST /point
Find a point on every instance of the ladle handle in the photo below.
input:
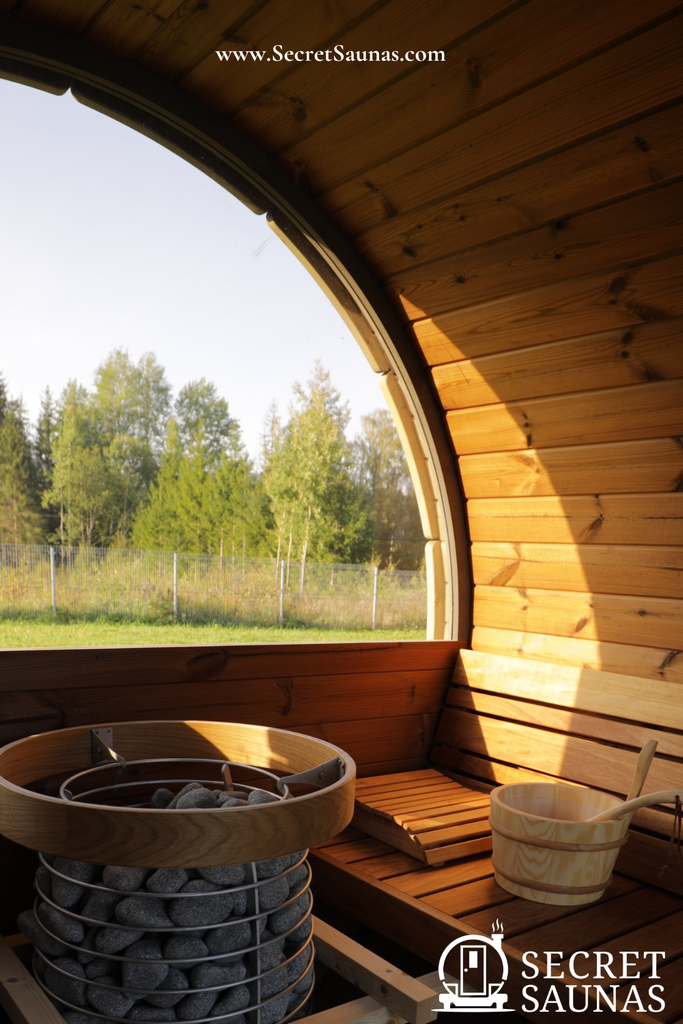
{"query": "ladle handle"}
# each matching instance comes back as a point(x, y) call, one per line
point(642, 768)
point(665, 796)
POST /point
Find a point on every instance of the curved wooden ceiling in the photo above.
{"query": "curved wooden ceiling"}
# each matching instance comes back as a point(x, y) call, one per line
point(520, 205)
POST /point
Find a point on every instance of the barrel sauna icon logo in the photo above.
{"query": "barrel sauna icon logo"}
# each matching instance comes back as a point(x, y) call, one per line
point(481, 971)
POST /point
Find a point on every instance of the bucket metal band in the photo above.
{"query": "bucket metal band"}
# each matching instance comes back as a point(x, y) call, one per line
point(569, 890)
point(551, 844)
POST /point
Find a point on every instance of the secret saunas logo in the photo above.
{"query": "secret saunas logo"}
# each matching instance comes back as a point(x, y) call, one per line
point(585, 981)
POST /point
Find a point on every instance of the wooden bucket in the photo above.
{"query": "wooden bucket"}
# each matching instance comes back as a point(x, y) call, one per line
point(146, 837)
point(544, 849)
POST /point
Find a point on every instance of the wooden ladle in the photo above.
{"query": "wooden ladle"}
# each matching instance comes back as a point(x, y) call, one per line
point(665, 796)
point(642, 768)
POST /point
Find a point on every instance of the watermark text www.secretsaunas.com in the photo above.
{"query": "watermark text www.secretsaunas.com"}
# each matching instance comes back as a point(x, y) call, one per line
point(335, 55)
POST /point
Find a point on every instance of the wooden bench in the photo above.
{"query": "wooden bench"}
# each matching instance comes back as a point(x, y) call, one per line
point(510, 720)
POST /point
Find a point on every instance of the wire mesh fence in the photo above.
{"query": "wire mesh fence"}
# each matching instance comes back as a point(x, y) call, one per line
point(163, 586)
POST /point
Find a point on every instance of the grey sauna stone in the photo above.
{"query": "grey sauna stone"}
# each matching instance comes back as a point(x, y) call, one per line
point(99, 905)
point(166, 880)
point(67, 894)
point(270, 956)
point(272, 894)
point(196, 798)
point(305, 983)
point(67, 928)
point(30, 926)
point(228, 1020)
point(43, 880)
point(143, 912)
point(196, 1005)
point(297, 967)
point(148, 975)
point(294, 858)
point(86, 954)
point(234, 999)
point(123, 879)
point(240, 903)
point(282, 920)
point(229, 939)
point(230, 874)
point(71, 989)
point(273, 983)
point(161, 798)
point(259, 796)
point(76, 1017)
point(110, 1000)
point(230, 800)
point(297, 878)
point(186, 789)
point(113, 940)
point(38, 965)
point(270, 868)
point(275, 1011)
point(212, 975)
point(99, 967)
point(184, 949)
point(144, 1012)
point(208, 909)
point(301, 933)
point(171, 991)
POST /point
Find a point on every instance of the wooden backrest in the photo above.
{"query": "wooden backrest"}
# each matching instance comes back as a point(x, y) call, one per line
point(511, 720)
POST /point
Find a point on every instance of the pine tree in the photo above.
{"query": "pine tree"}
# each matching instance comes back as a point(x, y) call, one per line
point(20, 520)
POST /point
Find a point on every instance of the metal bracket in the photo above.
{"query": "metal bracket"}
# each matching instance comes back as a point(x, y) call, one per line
point(324, 775)
point(101, 741)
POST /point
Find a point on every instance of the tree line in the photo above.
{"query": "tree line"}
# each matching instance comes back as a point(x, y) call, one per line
point(125, 463)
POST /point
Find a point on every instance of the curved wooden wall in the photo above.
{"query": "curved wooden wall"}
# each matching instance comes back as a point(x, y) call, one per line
point(521, 204)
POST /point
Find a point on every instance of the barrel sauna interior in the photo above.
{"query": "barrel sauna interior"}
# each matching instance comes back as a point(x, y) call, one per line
point(501, 230)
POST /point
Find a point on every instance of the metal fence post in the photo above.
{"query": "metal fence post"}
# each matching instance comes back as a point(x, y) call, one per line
point(282, 594)
point(175, 584)
point(52, 581)
point(374, 599)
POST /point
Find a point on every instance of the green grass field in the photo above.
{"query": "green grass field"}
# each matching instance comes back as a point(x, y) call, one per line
point(46, 632)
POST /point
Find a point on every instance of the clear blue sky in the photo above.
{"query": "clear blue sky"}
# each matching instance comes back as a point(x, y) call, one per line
point(109, 240)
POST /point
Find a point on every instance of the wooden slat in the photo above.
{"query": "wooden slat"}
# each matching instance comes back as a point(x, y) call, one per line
point(614, 569)
point(465, 899)
point(360, 850)
point(665, 934)
point(569, 721)
point(618, 298)
point(602, 617)
point(602, 923)
point(616, 414)
point(671, 978)
point(647, 662)
point(567, 757)
point(644, 856)
point(620, 232)
point(434, 797)
point(622, 468)
point(599, 693)
point(506, 57)
point(478, 811)
point(585, 99)
point(407, 996)
point(20, 997)
point(394, 863)
point(422, 883)
point(324, 97)
point(523, 915)
point(583, 519)
point(617, 358)
point(425, 777)
point(625, 160)
point(438, 855)
point(28, 669)
point(399, 764)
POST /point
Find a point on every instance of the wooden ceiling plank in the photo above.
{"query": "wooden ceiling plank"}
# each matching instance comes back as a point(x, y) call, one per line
point(621, 468)
point(615, 299)
point(66, 15)
point(289, 23)
point(588, 99)
point(615, 414)
point(603, 618)
point(123, 27)
point(630, 229)
point(596, 654)
point(525, 47)
point(608, 519)
point(632, 570)
point(622, 161)
point(649, 351)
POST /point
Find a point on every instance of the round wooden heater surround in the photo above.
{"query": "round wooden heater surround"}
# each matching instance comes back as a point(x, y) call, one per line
point(146, 837)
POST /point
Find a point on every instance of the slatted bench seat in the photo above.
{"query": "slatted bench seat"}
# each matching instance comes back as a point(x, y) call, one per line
point(509, 720)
